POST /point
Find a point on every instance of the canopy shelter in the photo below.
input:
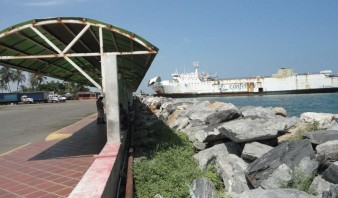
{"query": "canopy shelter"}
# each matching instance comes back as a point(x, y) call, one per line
point(81, 50)
point(70, 49)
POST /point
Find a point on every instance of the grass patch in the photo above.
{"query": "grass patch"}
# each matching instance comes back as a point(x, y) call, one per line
point(308, 128)
point(301, 182)
point(168, 168)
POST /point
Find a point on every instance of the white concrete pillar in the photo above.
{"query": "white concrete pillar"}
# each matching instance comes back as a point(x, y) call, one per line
point(109, 63)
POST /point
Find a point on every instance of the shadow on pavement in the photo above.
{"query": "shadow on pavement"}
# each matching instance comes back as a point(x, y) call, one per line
point(89, 140)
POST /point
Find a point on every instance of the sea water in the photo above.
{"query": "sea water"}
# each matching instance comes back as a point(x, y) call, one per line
point(294, 104)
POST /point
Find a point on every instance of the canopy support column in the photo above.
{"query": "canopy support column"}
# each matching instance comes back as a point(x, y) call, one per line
point(109, 63)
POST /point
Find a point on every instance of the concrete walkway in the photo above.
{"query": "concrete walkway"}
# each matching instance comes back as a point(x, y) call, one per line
point(52, 168)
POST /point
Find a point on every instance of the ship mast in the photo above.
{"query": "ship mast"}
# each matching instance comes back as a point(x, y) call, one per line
point(196, 68)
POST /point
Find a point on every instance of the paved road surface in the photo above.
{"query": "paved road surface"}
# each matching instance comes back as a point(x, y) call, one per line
point(22, 124)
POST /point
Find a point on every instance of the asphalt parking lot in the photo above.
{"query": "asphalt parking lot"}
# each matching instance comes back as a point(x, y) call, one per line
point(26, 123)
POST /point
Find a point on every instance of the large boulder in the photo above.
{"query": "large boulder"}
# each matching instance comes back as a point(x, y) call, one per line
point(288, 153)
point(201, 114)
point(231, 168)
point(257, 111)
point(254, 150)
point(327, 151)
point(202, 187)
point(334, 127)
point(222, 116)
point(195, 133)
point(275, 193)
point(321, 136)
point(206, 156)
point(331, 174)
point(280, 111)
point(220, 106)
point(280, 177)
point(250, 129)
point(332, 193)
point(198, 111)
point(173, 105)
point(213, 135)
point(307, 167)
point(172, 120)
point(324, 188)
point(204, 133)
point(324, 120)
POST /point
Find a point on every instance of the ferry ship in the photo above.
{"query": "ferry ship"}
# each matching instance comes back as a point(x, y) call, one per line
point(285, 81)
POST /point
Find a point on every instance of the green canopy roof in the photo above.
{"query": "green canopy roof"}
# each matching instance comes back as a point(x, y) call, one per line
point(23, 48)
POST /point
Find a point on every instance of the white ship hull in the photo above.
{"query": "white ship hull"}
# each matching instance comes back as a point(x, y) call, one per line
point(281, 83)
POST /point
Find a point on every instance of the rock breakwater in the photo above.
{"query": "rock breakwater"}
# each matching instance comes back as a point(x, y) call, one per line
point(251, 146)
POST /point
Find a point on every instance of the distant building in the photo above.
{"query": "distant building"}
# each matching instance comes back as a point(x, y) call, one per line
point(86, 96)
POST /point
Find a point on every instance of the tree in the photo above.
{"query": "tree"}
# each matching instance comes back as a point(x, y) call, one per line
point(55, 86)
point(20, 77)
point(73, 88)
point(3, 86)
point(36, 79)
point(6, 76)
point(23, 88)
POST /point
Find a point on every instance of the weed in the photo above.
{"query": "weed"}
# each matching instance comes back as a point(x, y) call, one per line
point(313, 126)
point(301, 182)
point(168, 168)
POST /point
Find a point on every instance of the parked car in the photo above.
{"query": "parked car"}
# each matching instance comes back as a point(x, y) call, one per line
point(62, 98)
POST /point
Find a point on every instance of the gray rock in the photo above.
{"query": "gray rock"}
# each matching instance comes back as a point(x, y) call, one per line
point(202, 187)
point(280, 177)
point(199, 135)
point(222, 116)
point(324, 120)
point(208, 155)
point(213, 136)
point(199, 146)
point(231, 168)
point(307, 167)
point(194, 123)
point(254, 150)
point(331, 174)
point(275, 193)
point(289, 153)
point(327, 151)
point(334, 127)
point(158, 196)
point(254, 128)
point(172, 106)
point(201, 114)
point(220, 106)
point(332, 193)
point(323, 187)
point(280, 111)
point(183, 123)
point(321, 136)
point(258, 111)
point(205, 133)
point(195, 133)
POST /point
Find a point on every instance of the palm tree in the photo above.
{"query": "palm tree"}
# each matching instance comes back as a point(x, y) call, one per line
point(6, 76)
point(36, 79)
point(3, 86)
point(20, 77)
point(23, 88)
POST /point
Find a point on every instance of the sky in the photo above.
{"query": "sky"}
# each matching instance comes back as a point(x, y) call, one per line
point(229, 38)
